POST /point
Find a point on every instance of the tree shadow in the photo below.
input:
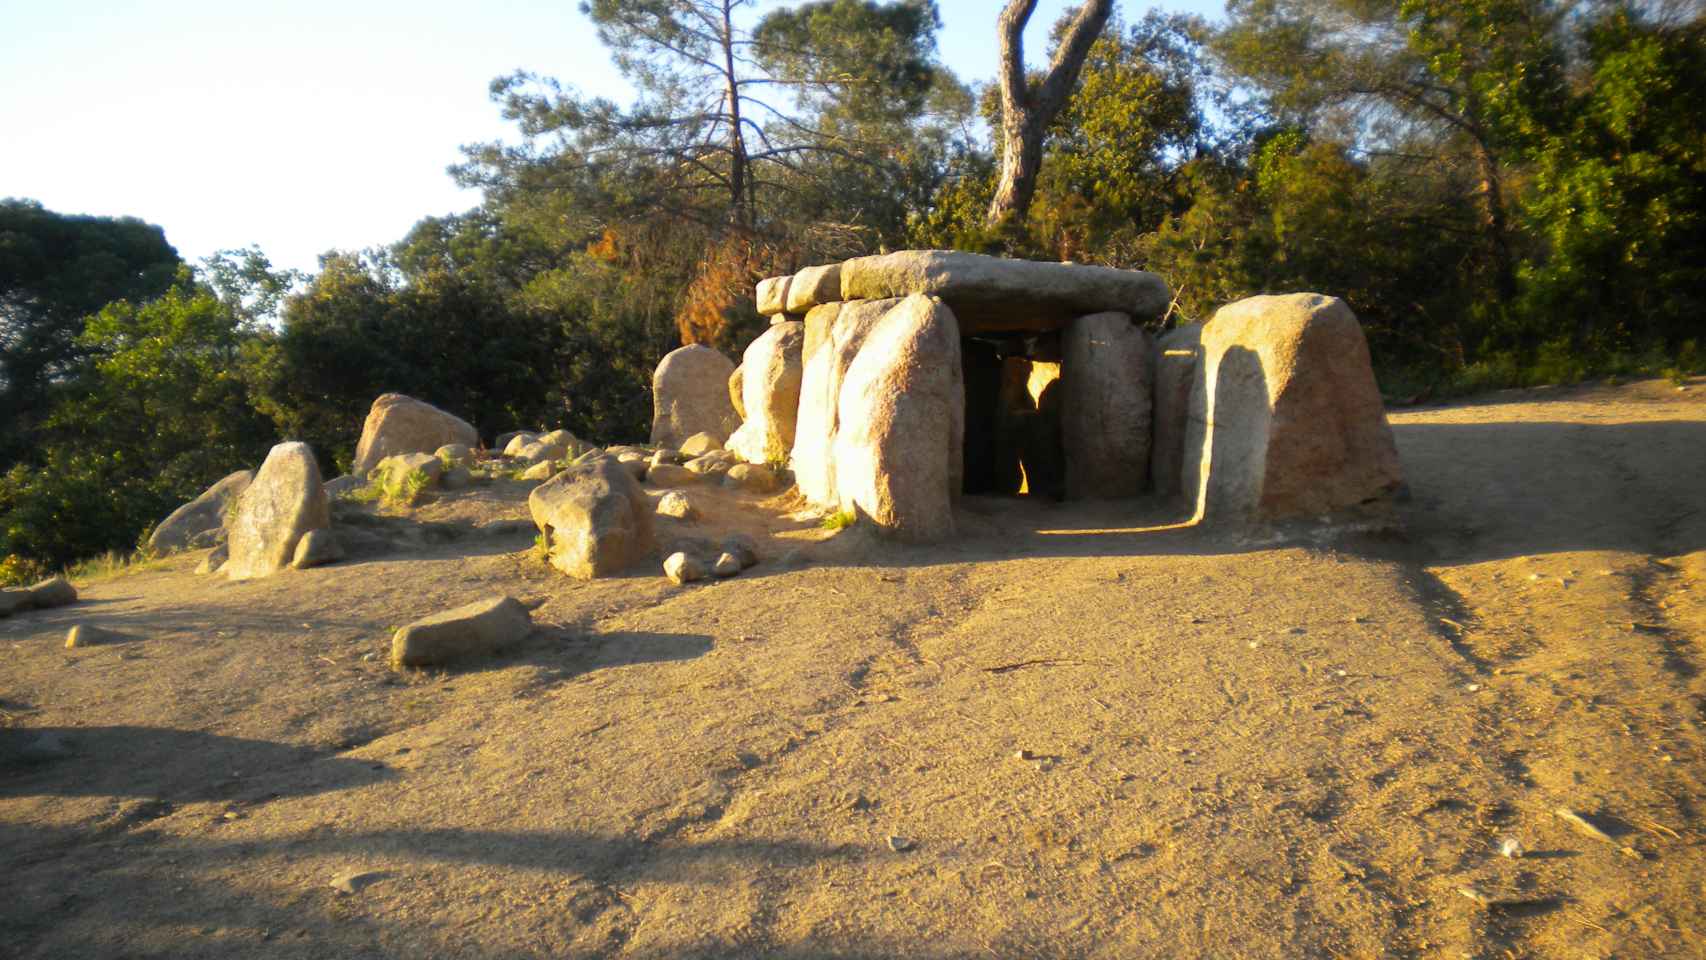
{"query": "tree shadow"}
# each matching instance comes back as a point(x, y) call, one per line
point(178, 766)
point(564, 654)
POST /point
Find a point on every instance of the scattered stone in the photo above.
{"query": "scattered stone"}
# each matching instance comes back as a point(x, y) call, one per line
point(771, 384)
point(456, 478)
point(205, 514)
point(595, 517)
point(727, 565)
point(665, 456)
point(1286, 420)
point(712, 465)
point(996, 294)
point(352, 882)
point(541, 452)
point(902, 418)
point(539, 471)
point(316, 549)
point(681, 568)
point(476, 629)
point(635, 463)
point(400, 424)
point(562, 438)
point(214, 560)
point(284, 502)
point(502, 443)
point(700, 444)
point(670, 475)
point(52, 592)
point(676, 504)
point(89, 635)
point(1107, 366)
point(1511, 848)
point(752, 477)
point(690, 394)
point(900, 844)
point(742, 548)
point(517, 442)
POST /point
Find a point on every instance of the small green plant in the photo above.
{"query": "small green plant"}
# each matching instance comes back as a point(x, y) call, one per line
point(839, 521)
point(19, 571)
point(542, 546)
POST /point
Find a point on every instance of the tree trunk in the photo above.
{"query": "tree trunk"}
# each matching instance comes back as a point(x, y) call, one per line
point(1026, 108)
point(740, 211)
point(1492, 196)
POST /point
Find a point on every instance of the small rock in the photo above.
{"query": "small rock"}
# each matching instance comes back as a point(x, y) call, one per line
point(458, 477)
point(634, 463)
point(89, 635)
point(670, 475)
point(681, 568)
point(342, 486)
point(900, 844)
point(214, 560)
point(742, 548)
point(700, 444)
point(317, 548)
point(455, 454)
point(726, 566)
point(354, 881)
point(676, 504)
point(542, 470)
point(1024, 755)
point(1511, 847)
point(752, 477)
point(710, 465)
point(53, 592)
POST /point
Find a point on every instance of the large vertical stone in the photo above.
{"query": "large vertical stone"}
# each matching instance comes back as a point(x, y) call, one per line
point(400, 424)
point(1106, 370)
point(1286, 420)
point(690, 394)
point(901, 406)
point(1176, 357)
point(819, 320)
point(283, 502)
point(820, 391)
point(770, 393)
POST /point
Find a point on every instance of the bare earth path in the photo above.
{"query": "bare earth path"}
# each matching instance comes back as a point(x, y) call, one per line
point(1089, 731)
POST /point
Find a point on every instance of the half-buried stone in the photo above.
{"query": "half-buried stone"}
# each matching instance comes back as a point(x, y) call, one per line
point(595, 518)
point(475, 630)
point(203, 515)
point(401, 424)
point(285, 501)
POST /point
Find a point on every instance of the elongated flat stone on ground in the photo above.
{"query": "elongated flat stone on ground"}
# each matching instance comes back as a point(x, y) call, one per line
point(478, 629)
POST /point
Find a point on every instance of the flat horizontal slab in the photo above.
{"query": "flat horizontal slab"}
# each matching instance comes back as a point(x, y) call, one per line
point(994, 294)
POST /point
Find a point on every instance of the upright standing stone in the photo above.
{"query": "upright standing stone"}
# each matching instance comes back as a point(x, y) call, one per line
point(820, 393)
point(595, 518)
point(1176, 358)
point(284, 502)
point(1105, 377)
point(895, 453)
point(1286, 420)
point(771, 384)
point(690, 394)
point(399, 424)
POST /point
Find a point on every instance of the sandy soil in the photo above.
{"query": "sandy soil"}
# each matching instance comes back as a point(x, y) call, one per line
point(1089, 730)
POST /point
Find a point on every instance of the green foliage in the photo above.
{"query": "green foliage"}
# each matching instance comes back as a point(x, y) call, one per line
point(55, 269)
point(840, 520)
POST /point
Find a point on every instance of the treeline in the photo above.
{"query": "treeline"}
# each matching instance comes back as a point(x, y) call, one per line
point(1506, 191)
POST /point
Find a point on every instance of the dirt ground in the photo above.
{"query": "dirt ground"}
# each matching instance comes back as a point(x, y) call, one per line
point(1076, 731)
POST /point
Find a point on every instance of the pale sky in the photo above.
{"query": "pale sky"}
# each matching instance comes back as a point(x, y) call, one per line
point(308, 125)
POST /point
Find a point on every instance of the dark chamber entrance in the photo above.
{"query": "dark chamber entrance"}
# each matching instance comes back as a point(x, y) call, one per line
point(1013, 441)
